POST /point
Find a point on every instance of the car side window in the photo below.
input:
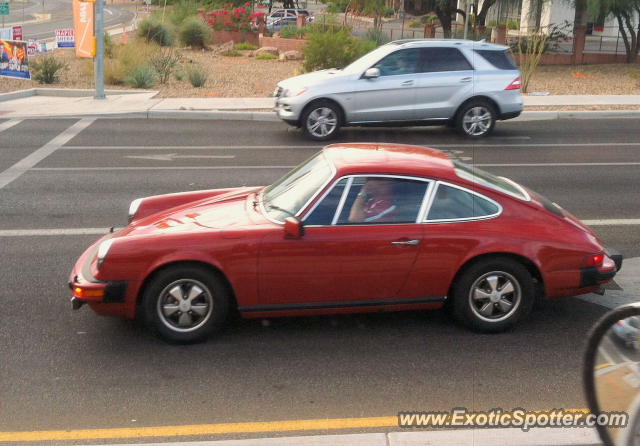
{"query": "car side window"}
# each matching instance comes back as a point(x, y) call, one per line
point(451, 203)
point(325, 210)
point(399, 62)
point(436, 60)
point(382, 200)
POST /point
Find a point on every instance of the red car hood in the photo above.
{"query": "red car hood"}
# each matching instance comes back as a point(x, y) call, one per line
point(223, 211)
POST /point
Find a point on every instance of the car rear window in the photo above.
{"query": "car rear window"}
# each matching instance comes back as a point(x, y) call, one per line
point(476, 175)
point(498, 58)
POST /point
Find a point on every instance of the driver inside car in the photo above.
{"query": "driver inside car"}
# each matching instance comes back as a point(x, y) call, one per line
point(375, 203)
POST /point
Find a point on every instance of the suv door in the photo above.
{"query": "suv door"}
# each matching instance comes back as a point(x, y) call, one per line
point(444, 81)
point(392, 95)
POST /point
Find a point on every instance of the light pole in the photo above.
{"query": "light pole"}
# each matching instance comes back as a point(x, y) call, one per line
point(99, 58)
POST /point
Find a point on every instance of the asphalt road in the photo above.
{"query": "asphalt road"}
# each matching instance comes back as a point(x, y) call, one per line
point(74, 370)
point(61, 16)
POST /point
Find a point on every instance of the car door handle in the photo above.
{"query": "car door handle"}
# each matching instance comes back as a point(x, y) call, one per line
point(413, 242)
point(406, 83)
point(466, 79)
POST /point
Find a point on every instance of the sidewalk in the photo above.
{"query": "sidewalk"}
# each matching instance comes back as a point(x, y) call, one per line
point(39, 103)
point(444, 437)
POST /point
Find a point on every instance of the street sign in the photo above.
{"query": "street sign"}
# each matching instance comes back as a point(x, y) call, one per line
point(4, 8)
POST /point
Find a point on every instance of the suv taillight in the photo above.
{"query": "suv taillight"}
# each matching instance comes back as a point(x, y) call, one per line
point(515, 85)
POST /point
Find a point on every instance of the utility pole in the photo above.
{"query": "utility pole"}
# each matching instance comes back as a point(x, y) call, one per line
point(99, 57)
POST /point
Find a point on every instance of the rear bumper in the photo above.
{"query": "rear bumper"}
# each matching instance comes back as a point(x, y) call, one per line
point(592, 276)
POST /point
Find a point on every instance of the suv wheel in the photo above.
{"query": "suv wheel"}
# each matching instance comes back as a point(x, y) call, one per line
point(476, 119)
point(321, 120)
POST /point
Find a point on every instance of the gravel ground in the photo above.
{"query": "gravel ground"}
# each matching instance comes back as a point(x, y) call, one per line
point(228, 76)
point(587, 79)
point(247, 77)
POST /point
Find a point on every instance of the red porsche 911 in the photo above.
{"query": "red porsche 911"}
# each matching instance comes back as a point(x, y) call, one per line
point(356, 228)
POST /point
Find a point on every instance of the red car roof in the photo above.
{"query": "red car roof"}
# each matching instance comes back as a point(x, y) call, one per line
point(398, 159)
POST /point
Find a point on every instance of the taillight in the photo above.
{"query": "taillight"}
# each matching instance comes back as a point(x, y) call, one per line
point(515, 85)
point(595, 260)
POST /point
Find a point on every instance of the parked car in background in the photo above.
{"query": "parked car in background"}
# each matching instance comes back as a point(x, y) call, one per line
point(358, 227)
point(284, 17)
point(459, 83)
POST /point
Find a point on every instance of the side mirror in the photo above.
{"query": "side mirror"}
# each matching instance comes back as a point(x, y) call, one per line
point(372, 73)
point(293, 228)
point(611, 376)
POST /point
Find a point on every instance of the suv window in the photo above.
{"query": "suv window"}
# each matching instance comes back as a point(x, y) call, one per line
point(499, 59)
point(452, 203)
point(399, 62)
point(443, 59)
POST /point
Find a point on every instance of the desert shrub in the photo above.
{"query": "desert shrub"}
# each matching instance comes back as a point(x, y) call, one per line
point(164, 63)
point(428, 18)
point(231, 53)
point(179, 75)
point(154, 31)
point(292, 32)
point(134, 55)
point(114, 74)
point(142, 77)
point(245, 46)
point(333, 50)
point(181, 11)
point(376, 35)
point(197, 76)
point(108, 45)
point(46, 69)
point(415, 24)
point(266, 56)
point(195, 33)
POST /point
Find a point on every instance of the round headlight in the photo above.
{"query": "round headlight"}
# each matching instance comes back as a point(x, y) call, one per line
point(133, 208)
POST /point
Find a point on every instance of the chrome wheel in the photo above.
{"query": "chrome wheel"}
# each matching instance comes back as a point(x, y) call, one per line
point(322, 122)
point(185, 305)
point(495, 296)
point(477, 120)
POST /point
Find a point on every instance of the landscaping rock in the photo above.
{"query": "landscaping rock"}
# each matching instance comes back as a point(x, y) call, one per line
point(228, 46)
point(267, 50)
point(291, 55)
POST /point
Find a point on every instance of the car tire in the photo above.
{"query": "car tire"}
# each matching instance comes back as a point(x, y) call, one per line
point(492, 295)
point(185, 304)
point(476, 119)
point(321, 120)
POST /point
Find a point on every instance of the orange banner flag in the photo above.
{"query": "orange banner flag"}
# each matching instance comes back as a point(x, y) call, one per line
point(83, 28)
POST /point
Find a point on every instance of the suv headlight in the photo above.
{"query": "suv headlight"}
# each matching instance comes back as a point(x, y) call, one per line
point(103, 250)
point(288, 93)
point(133, 208)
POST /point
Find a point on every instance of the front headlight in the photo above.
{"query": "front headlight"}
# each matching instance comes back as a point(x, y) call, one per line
point(133, 208)
point(288, 93)
point(103, 250)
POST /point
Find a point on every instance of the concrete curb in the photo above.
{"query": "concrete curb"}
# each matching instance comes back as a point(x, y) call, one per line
point(64, 92)
point(269, 116)
point(445, 437)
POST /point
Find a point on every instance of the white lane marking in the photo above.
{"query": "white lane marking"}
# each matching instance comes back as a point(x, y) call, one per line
point(100, 231)
point(10, 123)
point(80, 169)
point(172, 156)
point(435, 145)
point(613, 222)
point(60, 231)
point(34, 158)
point(43, 169)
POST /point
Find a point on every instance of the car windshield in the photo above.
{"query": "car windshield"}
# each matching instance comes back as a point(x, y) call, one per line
point(287, 196)
point(369, 59)
point(476, 175)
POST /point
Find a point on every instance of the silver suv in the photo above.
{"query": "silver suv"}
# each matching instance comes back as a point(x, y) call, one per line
point(459, 83)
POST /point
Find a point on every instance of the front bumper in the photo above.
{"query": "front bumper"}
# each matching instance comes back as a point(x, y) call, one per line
point(592, 276)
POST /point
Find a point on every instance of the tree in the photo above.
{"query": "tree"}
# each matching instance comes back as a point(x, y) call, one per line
point(623, 11)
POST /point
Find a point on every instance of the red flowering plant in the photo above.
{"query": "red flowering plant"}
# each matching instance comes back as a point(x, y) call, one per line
point(236, 19)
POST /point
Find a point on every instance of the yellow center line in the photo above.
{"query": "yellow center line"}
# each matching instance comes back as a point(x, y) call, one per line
point(206, 429)
point(602, 366)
